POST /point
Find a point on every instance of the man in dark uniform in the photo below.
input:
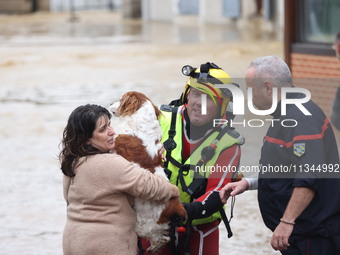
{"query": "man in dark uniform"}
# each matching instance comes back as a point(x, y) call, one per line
point(298, 185)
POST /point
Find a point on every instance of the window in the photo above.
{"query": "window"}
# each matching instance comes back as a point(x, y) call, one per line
point(188, 7)
point(320, 20)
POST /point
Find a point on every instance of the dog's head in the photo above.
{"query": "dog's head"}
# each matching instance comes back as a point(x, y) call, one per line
point(130, 103)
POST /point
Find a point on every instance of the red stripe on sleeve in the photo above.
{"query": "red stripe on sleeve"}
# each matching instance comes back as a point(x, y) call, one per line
point(300, 137)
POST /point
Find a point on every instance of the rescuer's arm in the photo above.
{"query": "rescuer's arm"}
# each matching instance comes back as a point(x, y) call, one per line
point(210, 201)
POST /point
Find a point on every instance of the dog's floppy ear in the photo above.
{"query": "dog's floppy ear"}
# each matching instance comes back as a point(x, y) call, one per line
point(130, 103)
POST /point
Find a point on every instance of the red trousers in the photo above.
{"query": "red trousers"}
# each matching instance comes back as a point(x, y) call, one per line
point(204, 240)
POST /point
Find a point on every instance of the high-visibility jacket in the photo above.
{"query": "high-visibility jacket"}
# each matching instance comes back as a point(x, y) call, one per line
point(191, 176)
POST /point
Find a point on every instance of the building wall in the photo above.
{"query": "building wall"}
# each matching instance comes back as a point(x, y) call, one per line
point(23, 6)
point(43, 5)
point(219, 11)
point(67, 5)
point(131, 9)
point(158, 10)
point(15, 6)
point(319, 74)
point(213, 11)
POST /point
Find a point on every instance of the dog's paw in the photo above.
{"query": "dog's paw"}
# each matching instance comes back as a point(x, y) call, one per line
point(156, 247)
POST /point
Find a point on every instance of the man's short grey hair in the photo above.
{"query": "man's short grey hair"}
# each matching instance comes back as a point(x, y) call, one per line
point(273, 69)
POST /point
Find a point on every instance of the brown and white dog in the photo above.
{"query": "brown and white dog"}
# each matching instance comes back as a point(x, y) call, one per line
point(138, 140)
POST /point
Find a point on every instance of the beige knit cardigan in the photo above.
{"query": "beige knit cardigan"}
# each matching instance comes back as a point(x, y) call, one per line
point(100, 199)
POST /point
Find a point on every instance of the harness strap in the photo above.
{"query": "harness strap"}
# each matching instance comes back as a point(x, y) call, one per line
point(172, 233)
point(197, 182)
point(140, 247)
point(226, 222)
point(187, 237)
point(177, 102)
point(170, 144)
point(207, 154)
point(174, 161)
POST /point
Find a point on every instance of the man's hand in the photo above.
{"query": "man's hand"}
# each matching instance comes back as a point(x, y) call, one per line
point(280, 236)
point(298, 202)
point(233, 189)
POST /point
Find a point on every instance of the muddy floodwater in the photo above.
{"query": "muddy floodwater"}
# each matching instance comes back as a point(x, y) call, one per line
point(49, 65)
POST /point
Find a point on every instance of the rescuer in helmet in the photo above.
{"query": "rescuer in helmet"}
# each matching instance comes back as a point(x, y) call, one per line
point(203, 154)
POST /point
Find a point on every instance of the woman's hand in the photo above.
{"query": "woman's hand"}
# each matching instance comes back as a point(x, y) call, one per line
point(174, 192)
point(161, 151)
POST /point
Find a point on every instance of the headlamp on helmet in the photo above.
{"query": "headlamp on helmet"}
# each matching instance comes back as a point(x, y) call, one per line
point(188, 70)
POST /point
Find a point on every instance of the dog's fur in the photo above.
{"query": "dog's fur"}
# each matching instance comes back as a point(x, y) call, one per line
point(138, 140)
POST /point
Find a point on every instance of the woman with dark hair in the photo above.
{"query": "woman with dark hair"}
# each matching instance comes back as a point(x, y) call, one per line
point(100, 186)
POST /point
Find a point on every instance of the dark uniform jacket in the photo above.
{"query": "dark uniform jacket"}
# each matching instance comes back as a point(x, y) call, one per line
point(303, 156)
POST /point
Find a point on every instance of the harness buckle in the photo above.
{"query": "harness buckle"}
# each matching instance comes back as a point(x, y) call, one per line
point(169, 144)
point(184, 169)
point(172, 133)
point(207, 153)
